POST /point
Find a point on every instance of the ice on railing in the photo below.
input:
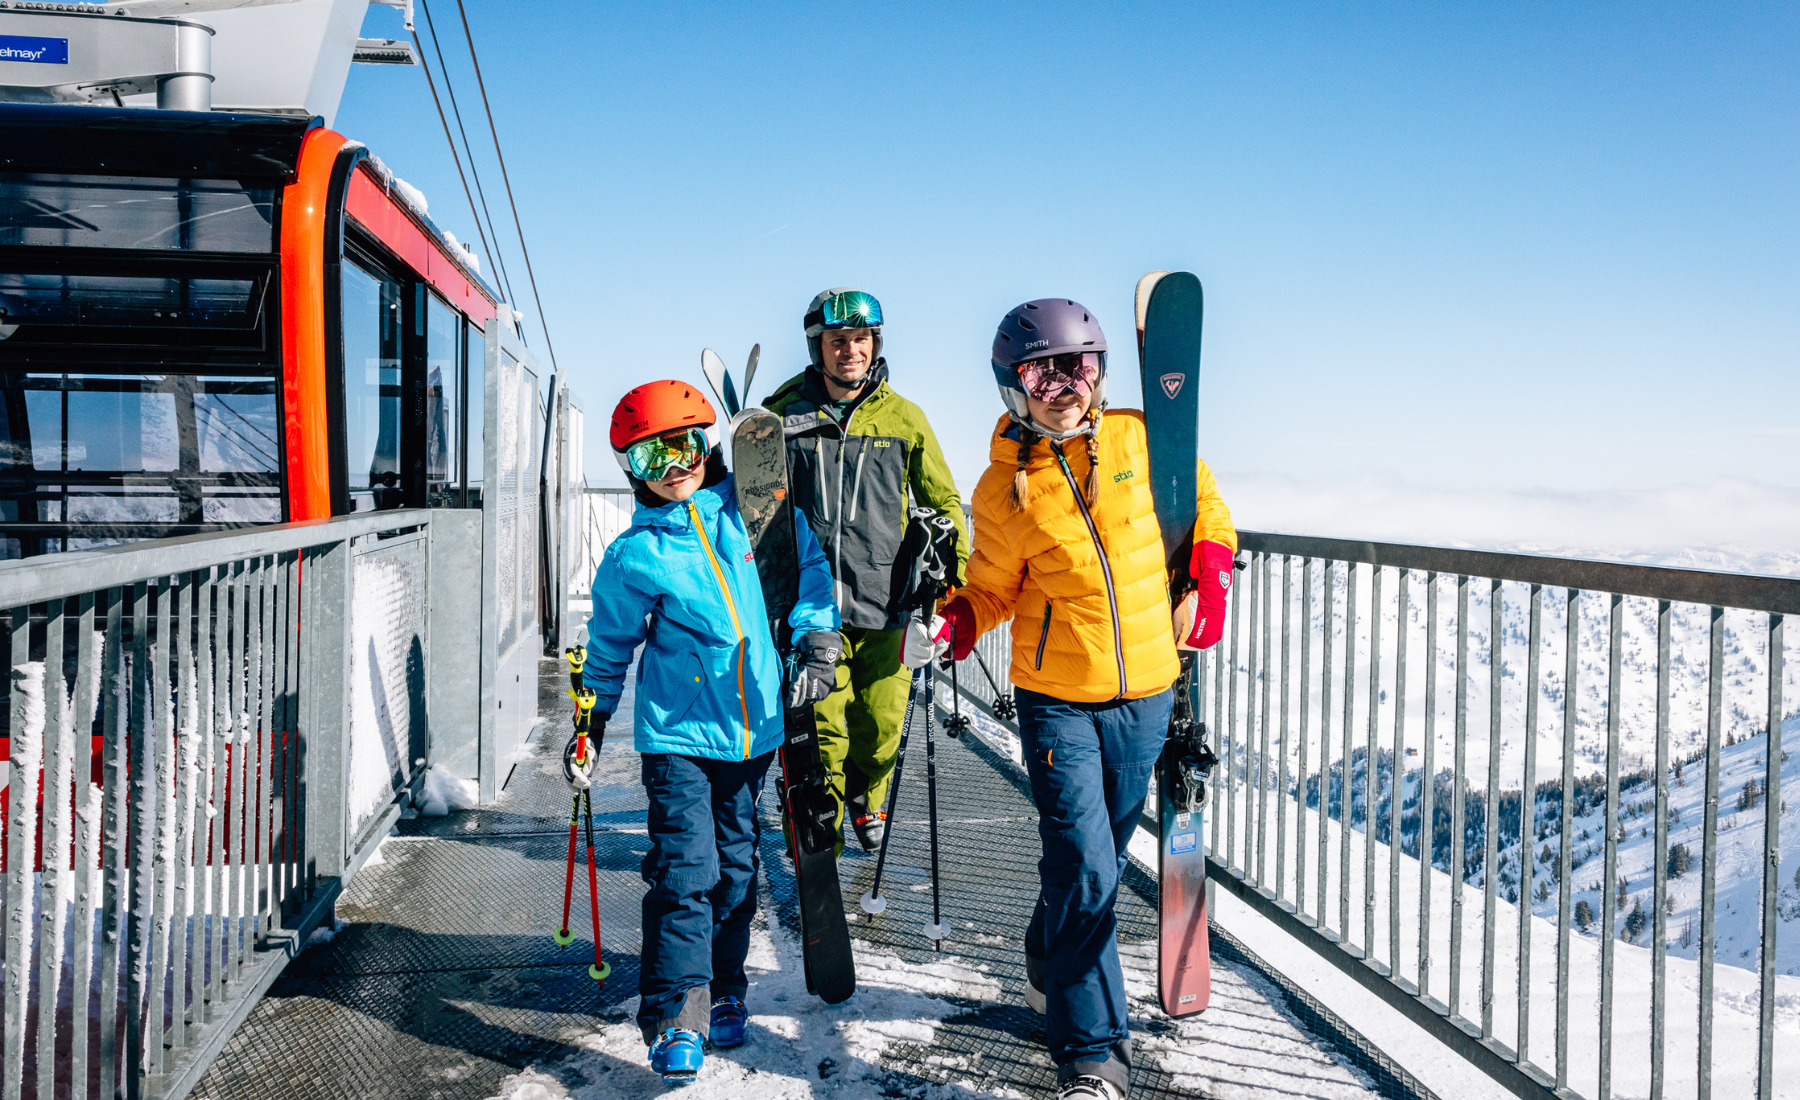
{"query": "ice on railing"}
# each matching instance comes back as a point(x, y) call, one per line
point(386, 683)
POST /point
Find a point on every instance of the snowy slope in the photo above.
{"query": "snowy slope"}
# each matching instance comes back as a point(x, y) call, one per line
point(1288, 855)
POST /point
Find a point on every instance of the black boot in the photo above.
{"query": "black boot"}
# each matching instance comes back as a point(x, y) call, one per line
point(870, 825)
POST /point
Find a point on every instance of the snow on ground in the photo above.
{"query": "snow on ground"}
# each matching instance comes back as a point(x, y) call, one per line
point(443, 792)
point(1244, 1046)
point(798, 1046)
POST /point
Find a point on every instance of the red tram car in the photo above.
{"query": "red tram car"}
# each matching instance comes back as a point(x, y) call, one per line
point(214, 320)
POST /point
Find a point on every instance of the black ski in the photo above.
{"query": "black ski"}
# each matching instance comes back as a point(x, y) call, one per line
point(1169, 311)
point(759, 461)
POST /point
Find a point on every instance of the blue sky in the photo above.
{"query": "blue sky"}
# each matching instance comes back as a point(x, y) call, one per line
point(1522, 246)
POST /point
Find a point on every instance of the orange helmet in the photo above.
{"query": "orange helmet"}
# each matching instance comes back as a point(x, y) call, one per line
point(656, 408)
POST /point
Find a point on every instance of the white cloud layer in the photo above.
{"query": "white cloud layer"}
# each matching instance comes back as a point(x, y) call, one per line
point(1733, 524)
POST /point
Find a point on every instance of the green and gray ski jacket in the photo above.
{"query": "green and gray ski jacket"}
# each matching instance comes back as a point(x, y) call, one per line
point(852, 481)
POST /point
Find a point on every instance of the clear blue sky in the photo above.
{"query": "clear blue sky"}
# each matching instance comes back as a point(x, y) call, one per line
point(1508, 245)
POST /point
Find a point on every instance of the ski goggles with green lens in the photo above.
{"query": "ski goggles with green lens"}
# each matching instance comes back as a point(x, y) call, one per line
point(652, 459)
point(1047, 378)
point(851, 309)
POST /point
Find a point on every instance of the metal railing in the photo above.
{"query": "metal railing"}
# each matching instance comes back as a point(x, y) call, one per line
point(186, 710)
point(1354, 699)
point(1369, 712)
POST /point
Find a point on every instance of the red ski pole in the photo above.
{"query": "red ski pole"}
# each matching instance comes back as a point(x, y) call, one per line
point(562, 935)
point(601, 967)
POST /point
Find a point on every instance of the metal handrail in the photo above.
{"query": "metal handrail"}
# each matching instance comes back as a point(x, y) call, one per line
point(1750, 591)
point(218, 669)
point(33, 580)
point(1310, 722)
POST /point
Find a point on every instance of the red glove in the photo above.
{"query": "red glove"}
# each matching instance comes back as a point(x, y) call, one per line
point(1211, 569)
point(959, 628)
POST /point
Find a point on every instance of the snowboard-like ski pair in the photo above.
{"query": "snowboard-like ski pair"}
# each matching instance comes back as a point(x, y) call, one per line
point(1169, 313)
point(759, 462)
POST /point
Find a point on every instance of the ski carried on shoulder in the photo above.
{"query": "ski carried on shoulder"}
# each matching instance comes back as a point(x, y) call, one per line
point(759, 462)
point(1169, 312)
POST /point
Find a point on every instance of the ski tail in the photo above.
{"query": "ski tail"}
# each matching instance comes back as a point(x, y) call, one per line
point(750, 370)
point(719, 380)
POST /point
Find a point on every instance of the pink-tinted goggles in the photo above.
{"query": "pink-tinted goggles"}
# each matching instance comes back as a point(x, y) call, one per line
point(1047, 378)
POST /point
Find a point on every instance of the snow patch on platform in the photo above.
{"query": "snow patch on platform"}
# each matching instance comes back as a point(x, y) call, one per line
point(799, 1047)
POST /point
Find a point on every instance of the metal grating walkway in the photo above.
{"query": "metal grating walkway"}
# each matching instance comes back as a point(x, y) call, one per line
point(444, 982)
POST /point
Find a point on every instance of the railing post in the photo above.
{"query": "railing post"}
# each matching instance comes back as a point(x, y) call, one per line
point(326, 589)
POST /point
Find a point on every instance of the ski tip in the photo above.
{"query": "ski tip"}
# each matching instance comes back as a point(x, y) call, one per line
point(872, 904)
point(1144, 286)
point(838, 996)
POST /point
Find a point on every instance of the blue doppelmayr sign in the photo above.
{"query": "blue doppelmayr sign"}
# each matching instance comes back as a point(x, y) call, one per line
point(43, 51)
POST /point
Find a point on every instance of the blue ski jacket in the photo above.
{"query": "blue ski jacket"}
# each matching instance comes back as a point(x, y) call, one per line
point(681, 580)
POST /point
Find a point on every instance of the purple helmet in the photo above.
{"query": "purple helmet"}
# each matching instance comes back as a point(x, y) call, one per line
point(1047, 326)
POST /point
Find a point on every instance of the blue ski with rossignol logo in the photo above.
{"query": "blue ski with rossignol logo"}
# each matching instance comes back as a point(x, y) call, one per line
point(1170, 307)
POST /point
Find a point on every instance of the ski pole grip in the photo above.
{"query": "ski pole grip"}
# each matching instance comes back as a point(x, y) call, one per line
point(577, 658)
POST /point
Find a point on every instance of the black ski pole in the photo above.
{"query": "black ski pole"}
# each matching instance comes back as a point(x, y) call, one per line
point(1004, 707)
point(872, 901)
point(937, 929)
point(958, 723)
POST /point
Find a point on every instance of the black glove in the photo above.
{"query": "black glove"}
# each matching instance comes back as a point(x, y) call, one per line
point(579, 774)
point(815, 675)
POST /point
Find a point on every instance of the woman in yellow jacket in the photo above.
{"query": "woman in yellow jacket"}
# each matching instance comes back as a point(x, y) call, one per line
point(1067, 548)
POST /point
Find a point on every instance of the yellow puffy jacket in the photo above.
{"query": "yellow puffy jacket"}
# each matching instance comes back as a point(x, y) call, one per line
point(1085, 629)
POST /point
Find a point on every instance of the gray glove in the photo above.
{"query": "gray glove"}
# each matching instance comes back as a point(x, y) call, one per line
point(815, 674)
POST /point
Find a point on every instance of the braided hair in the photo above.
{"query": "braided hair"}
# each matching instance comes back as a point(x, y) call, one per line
point(1093, 450)
point(1019, 490)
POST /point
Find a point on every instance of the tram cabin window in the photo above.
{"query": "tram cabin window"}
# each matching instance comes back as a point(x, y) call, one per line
point(443, 406)
point(372, 328)
point(475, 418)
point(139, 364)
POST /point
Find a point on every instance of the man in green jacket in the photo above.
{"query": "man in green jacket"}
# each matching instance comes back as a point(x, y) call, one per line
point(856, 450)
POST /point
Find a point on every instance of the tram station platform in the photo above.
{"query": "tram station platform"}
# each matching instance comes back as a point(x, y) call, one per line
point(442, 979)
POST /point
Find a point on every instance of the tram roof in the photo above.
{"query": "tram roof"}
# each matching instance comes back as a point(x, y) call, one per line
point(135, 141)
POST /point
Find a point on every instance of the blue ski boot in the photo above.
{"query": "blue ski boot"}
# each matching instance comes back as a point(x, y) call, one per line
point(676, 1055)
point(728, 1022)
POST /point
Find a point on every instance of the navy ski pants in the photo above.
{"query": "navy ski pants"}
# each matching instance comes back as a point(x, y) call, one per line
point(701, 870)
point(1090, 767)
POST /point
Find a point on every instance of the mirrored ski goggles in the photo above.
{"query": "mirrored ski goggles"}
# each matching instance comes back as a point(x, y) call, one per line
point(853, 309)
point(1047, 378)
point(652, 459)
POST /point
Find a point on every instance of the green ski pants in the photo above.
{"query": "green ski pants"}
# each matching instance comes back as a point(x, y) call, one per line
point(859, 722)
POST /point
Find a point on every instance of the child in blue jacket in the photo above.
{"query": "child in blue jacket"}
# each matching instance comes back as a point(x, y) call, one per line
point(682, 581)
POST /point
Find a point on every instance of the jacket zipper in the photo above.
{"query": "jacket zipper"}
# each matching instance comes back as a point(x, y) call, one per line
point(1043, 636)
point(837, 529)
point(730, 606)
point(1112, 600)
point(856, 483)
